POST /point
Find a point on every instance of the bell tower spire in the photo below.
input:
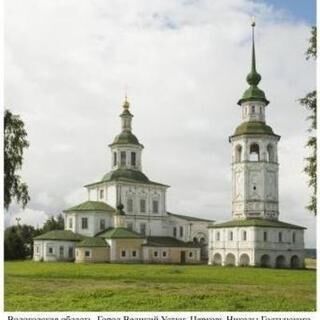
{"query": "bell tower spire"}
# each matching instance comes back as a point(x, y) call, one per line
point(253, 93)
point(253, 77)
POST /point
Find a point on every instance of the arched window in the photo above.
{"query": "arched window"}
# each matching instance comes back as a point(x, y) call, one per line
point(123, 158)
point(130, 205)
point(238, 153)
point(265, 236)
point(244, 236)
point(254, 152)
point(293, 237)
point(114, 158)
point(133, 158)
point(270, 153)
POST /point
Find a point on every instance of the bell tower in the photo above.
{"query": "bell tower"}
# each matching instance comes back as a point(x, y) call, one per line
point(254, 155)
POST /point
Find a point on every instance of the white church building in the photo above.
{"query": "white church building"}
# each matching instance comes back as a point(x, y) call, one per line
point(146, 231)
point(255, 236)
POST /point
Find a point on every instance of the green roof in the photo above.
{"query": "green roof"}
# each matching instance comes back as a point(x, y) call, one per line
point(92, 242)
point(125, 137)
point(126, 175)
point(120, 233)
point(253, 127)
point(256, 223)
point(188, 218)
point(253, 93)
point(67, 235)
point(92, 206)
point(169, 242)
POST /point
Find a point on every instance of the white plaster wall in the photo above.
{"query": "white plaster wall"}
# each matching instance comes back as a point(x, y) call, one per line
point(191, 229)
point(111, 195)
point(93, 222)
point(146, 192)
point(41, 250)
point(255, 246)
point(248, 114)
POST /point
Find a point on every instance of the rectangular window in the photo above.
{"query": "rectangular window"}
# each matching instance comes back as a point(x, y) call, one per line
point(155, 253)
point(181, 231)
point(123, 253)
point(114, 159)
point(84, 223)
point(123, 158)
point(129, 205)
point(190, 254)
point(87, 253)
point(101, 194)
point(133, 158)
point(142, 205)
point(143, 228)
point(280, 236)
point(70, 223)
point(231, 236)
point(294, 237)
point(218, 236)
point(50, 250)
point(130, 226)
point(155, 206)
point(102, 224)
point(244, 236)
point(61, 251)
point(37, 249)
point(134, 253)
point(70, 252)
point(164, 253)
point(265, 236)
point(175, 232)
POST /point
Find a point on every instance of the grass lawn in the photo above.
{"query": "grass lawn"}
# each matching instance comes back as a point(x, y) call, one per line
point(32, 286)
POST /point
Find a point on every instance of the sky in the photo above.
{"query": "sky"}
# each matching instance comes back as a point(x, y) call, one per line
point(304, 10)
point(184, 64)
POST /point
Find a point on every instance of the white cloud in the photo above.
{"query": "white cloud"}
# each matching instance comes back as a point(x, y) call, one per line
point(185, 63)
point(28, 216)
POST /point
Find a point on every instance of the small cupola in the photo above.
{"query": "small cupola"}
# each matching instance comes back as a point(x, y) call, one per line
point(126, 148)
point(119, 217)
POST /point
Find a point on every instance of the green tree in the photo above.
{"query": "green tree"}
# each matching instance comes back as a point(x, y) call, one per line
point(14, 246)
point(15, 141)
point(310, 103)
point(53, 224)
